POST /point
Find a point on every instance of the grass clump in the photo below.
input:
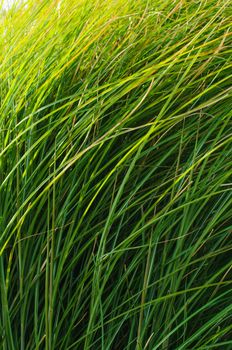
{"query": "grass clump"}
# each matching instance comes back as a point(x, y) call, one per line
point(115, 175)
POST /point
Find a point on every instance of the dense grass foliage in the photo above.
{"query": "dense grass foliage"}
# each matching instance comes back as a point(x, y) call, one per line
point(116, 175)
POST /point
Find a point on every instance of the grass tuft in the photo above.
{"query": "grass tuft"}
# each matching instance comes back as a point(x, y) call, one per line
point(116, 175)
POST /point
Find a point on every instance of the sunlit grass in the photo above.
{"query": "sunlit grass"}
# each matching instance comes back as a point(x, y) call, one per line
point(116, 175)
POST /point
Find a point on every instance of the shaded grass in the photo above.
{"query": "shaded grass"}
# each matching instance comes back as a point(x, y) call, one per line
point(115, 181)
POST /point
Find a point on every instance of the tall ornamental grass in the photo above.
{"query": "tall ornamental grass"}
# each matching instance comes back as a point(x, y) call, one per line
point(116, 175)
